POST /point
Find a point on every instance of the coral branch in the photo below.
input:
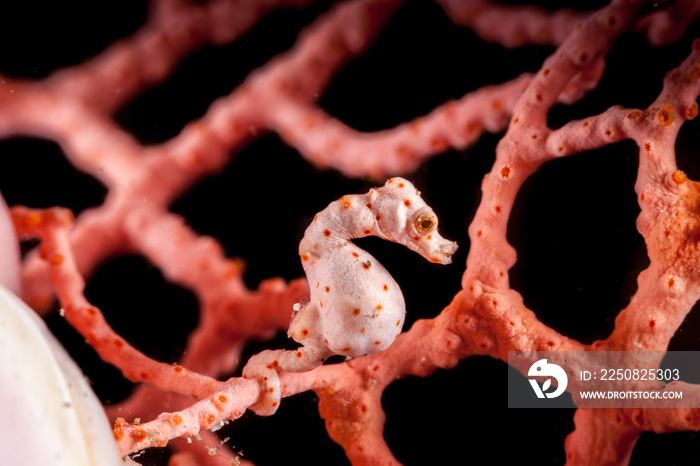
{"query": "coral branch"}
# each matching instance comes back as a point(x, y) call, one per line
point(279, 106)
point(227, 404)
point(52, 227)
point(513, 26)
point(330, 143)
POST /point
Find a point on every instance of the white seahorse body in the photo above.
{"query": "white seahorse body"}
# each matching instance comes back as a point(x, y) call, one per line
point(356, 307)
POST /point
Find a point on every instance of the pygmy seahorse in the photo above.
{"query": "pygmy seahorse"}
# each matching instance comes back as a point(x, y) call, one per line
point(355, 308)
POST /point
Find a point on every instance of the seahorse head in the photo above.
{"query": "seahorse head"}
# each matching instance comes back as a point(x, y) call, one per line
point(405, 218)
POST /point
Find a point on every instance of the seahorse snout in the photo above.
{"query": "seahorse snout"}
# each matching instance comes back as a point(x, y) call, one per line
point(443, 251)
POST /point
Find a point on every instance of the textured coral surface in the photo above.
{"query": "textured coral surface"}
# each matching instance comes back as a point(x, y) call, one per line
point(195, 142)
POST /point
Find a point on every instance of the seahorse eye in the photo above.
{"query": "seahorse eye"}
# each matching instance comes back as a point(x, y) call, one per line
point(424, 224)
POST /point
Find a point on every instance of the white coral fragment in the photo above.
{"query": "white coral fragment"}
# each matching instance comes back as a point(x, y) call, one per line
point(50, 415)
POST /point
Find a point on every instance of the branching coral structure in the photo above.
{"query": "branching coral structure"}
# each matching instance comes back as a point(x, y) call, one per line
point(198, 140)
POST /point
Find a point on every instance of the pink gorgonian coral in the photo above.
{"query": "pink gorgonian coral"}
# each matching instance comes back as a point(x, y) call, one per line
point(193, 143)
